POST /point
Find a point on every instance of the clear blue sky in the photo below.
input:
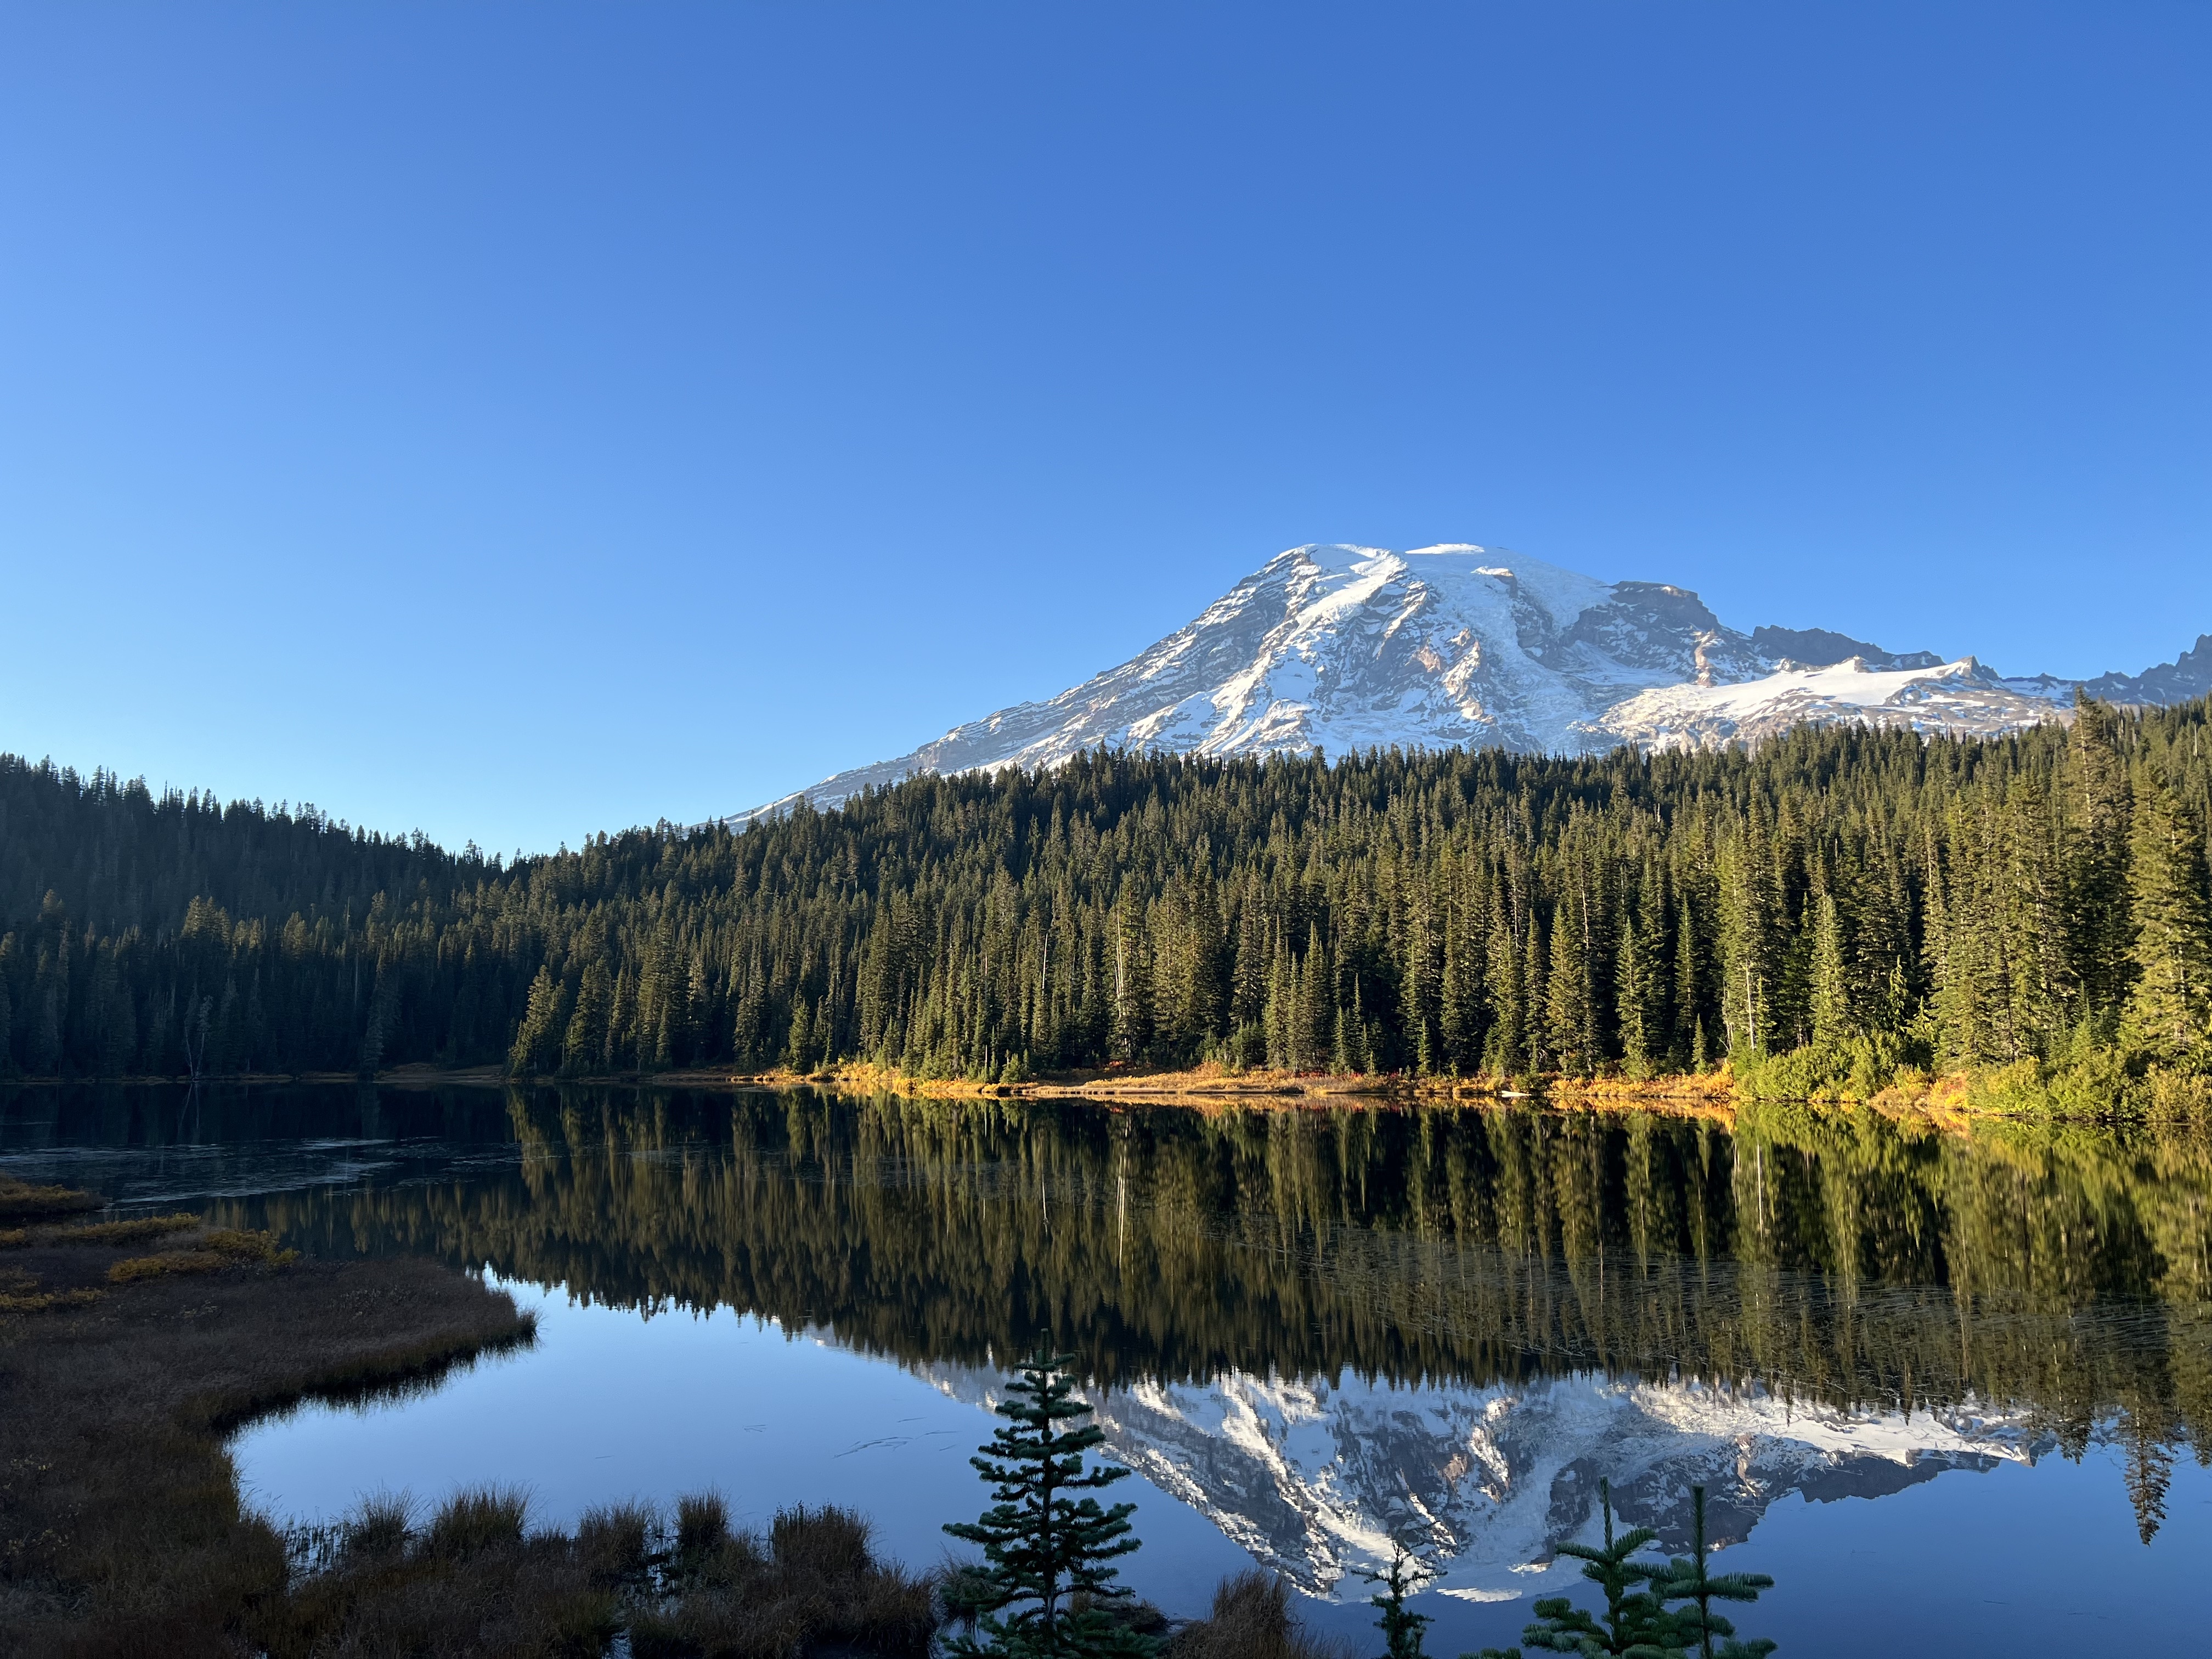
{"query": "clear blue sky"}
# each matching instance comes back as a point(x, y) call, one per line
point(515, 421)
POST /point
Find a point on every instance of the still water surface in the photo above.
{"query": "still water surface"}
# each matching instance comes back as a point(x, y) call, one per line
point(1913, 1370)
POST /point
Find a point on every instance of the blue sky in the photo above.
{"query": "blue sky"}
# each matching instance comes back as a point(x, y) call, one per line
point(517, 420)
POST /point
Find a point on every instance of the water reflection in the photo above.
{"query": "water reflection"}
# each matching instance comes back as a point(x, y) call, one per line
point(1321, 1328)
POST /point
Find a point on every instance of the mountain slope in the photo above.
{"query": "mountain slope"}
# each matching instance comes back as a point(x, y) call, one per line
point(1342, 649)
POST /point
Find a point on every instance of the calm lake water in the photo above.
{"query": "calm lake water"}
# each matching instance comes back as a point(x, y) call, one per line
point(1949, 1391)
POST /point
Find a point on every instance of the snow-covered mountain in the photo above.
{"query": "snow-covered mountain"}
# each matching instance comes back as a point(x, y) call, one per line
point(1343, 648)
point(1315, 1477)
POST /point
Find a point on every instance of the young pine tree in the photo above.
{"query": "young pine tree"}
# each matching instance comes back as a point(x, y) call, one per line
point(1636, 1624)
point(1045, 1553)
point(1686, 1579)
point(1401, 1630)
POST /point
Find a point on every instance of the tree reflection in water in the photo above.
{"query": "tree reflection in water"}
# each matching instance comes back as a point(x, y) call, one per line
point(1831, 1257)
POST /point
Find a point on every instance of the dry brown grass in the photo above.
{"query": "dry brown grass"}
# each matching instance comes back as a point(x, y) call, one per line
point(206, 1252)
point(813, 1583)
point(122, 1536)
point(118, 1510)
point(21, 1201)
point(476, 1580)
point(1251, 1619)
point(134, 1231)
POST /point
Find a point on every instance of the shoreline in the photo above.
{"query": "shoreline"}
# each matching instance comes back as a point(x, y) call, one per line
point(1953, 1099)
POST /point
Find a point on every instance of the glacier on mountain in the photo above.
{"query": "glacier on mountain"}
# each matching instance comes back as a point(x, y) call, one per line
point(1343, 648)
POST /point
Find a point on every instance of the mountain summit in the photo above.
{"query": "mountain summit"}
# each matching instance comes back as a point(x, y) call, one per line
point(1342, 649)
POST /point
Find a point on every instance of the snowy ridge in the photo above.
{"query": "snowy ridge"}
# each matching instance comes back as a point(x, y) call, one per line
point(1959, 698)
point(1343, 648)
point(1314, 1477)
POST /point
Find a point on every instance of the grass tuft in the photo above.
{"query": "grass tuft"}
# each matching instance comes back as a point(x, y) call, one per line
point(476, 1519)
point(825, 1543)
point(380, 1526)
point(703, 1524)
point(614, 1544)
point(1251, 1619)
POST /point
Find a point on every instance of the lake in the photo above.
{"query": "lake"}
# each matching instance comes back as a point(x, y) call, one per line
point(1950, 1390)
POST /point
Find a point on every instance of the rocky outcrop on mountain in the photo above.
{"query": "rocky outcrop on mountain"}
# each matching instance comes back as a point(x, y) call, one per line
point(1816, 647)
point(1342, 649)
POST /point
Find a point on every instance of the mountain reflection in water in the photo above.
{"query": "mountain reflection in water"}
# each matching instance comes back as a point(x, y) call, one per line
point(1324, 1327)
point(1319, 1329)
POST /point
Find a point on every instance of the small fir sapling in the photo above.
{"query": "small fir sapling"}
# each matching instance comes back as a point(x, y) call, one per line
point(1636, 1624)
point(1045, 1554)
point(1401, 1630)
point(1686, 1579)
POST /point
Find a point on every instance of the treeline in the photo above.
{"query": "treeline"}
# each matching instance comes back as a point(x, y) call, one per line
point(1858, 900)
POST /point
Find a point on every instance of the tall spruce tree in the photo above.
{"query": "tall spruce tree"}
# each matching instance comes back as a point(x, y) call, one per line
point(2169, 1007)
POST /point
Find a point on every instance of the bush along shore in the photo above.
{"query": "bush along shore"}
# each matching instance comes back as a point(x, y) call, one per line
point(128, 1349)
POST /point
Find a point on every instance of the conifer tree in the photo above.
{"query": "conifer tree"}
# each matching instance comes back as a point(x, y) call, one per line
point(2170, 1003)
point(1638, 986)
point(1402, 1629)
point(1635, 1623)
point(1046, 1554)
point(1831, 987)
point(2098, 813)
point(1686, 1579)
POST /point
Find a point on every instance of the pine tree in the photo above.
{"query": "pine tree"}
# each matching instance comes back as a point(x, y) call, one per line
point(1637, 987)
point(2170, 1003)
point(1748, 961)
point(583, 1048)
point(1045, 1553)
point(536, 1041)
point(1401, 1630)
point(1570, 1019)
point(1831, 987)
point(1686, 1579)
point(1636, 1624)
point(2097, 811)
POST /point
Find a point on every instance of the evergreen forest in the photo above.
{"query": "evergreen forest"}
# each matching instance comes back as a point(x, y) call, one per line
point(1825, 912)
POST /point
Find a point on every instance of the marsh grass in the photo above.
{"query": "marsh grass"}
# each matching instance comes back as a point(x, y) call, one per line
point(123, 1531)
point(21, 1202)
point(1251, 1619)
point(683, 1585)
point(812, 1582)
point(210, 1252)
point(477, 1519)
point(134, 1231)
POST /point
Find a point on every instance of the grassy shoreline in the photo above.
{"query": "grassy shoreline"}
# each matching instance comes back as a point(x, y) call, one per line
point(2103, 1085)
point(127, 1353)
